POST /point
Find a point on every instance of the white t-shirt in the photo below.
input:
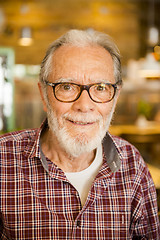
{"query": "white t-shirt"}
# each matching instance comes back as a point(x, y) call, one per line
point(83, 180)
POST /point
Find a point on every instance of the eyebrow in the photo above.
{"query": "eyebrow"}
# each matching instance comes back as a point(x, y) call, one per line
point(61, 80)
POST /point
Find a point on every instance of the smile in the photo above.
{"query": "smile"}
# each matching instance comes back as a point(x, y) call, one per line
point(81, 123)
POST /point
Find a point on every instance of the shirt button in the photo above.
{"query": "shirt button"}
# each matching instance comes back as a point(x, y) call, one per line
point(78, 223)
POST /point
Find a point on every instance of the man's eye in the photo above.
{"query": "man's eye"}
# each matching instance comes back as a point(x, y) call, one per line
point(66, 87)
point(101, 88)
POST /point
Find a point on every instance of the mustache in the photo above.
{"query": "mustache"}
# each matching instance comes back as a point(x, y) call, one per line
point(82, 117)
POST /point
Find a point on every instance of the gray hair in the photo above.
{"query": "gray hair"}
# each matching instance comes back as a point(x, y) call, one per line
point(82, 38)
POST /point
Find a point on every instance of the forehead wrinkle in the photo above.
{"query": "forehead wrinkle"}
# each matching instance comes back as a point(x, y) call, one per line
point(61, 80)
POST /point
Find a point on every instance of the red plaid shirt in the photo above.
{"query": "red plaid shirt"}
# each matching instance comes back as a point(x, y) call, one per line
point(38, 202)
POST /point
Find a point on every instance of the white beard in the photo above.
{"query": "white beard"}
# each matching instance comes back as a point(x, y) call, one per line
point(79, 144)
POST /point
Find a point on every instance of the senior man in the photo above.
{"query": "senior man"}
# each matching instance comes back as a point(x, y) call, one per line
point(71, 179)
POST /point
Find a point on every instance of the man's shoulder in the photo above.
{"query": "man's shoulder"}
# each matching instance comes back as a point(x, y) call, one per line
point(129, 155)
point(123, 145)
point(18, 136)
point(15, 144)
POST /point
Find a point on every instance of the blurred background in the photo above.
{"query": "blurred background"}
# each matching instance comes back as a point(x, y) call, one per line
point(27, 27)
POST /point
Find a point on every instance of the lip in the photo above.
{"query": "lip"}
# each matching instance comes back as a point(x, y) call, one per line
point(80, 123)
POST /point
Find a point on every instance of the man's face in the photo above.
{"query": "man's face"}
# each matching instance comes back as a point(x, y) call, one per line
point(82, 122)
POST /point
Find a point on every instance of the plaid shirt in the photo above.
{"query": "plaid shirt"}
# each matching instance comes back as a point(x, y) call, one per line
point(38, 202)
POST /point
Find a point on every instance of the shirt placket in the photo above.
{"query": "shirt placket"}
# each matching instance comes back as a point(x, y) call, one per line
point(82, 227)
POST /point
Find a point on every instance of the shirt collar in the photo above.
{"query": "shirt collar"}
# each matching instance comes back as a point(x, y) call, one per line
point(33, 147)
point(111, 153)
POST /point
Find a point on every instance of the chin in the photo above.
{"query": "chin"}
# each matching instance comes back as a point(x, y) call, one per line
point(79, 144)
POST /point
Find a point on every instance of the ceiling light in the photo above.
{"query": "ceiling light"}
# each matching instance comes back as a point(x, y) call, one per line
point(153, 36)
point(26, 37)
point(153, 32)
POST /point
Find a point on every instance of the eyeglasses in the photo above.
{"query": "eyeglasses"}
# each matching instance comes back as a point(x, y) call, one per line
point(69, 92)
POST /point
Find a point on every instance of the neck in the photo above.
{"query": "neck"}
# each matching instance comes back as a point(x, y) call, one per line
point(53, 151)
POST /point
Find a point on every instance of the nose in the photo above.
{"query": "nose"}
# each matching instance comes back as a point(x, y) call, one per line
point(84, 103)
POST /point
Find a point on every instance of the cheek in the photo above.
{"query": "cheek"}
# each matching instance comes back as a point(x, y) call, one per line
point(59, 108)
point(106, 109)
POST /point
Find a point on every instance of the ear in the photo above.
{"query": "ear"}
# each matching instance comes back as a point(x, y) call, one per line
point(118, 92)
point(42, 97)
point(117, 95)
